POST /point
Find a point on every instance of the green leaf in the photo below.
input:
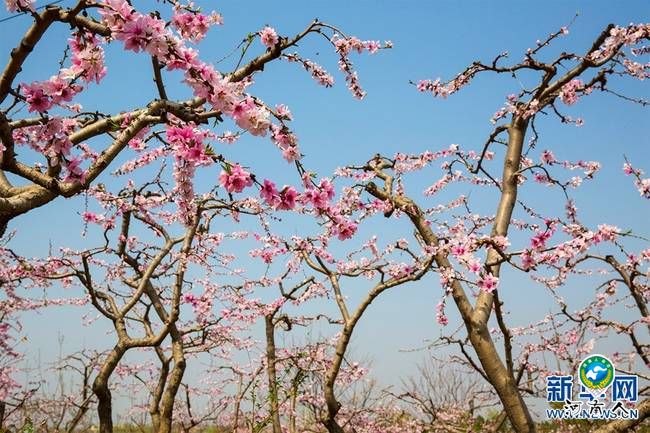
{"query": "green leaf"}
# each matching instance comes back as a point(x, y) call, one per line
point(113, 125)
point(28, 427)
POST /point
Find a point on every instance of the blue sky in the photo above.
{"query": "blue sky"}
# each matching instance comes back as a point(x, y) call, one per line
point(431, 39)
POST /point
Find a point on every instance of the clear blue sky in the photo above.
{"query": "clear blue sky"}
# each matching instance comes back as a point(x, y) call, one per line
point(431, 39)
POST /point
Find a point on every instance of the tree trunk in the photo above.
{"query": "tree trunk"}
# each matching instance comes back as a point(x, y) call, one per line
point(3, 407)
point(500, 377)
point(154, 406)
point(173, 384)
point(625, 425)
point(293, 404)
point(332, 426)
point(333, 405)
point(272, 374)
point(74, 422)
point(238, 399)
point(103, 393)
point(476, 318)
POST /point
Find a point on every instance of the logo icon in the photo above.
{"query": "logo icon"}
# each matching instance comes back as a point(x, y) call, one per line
point(596, 374)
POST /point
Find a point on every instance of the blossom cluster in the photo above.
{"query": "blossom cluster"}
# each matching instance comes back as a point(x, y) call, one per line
point(87, 65)
point(193, 26)
point(19, 5)
point(317, 72)
point(642, 184)
point(346, 45)
point(618, 36)
point(568, 93)
point(443, 90)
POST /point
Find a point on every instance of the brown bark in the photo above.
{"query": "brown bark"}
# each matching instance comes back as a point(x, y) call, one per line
point(102, 391)
point(635, 291)
point(81, 412)
point(173, 384)
point(292, 406)
point(117, 316)
point(272, 374)
point(500, 377)
point(623, 426)
point(169, 319)
point(333, 405)
point(85, 405)
point(476, 318)
point(350, 321)
point(237, 408)
point(154, 405)
point(3, 407)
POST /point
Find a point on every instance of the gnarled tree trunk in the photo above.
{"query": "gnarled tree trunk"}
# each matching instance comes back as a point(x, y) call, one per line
point(102, 391)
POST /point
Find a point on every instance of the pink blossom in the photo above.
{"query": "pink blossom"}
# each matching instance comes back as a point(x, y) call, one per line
point(135, 33)
point(539, 240)
point(441, 318)
point(548, 157)
point(283, 111)
point(291, 154)
point(317, 198)
point(372, 46)
point(269, 193)
point(527, 260)
point(568, 93)
point(282, 137)
point(228, 137)
point(627, 168)
point(142, 160)
point(116, 12)
point(183, 175)
point(15, 5)
point(269, 37)
point(542, 178)
point(60, 90)
point(36, 97)
point(234, 178)
point(529, 110)
point(318, 73)
point(488, 283)
point(608, 232)
point(75, 172)
point(458, 250)
point(87, 58)
point(474, 265)
point(188, 143)
point(443, 90)
point(249, 116)
point(7, 383)
point(326, 186)
point(643, 185)
point(194, 26)
point(288, 197)
point(186, 59)
point(345, 229)
point(90, 217)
